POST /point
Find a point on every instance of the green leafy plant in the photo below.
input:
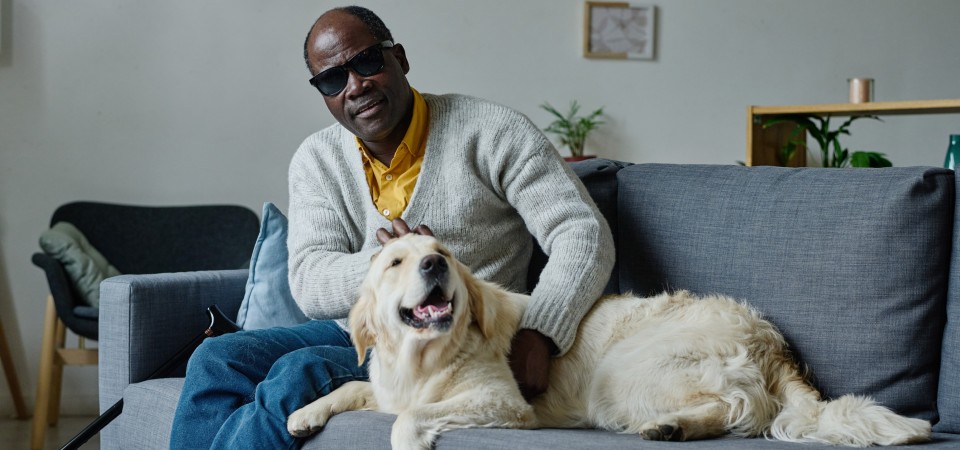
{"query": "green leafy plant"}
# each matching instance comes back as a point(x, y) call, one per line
point(832, 153)
point(572, 129)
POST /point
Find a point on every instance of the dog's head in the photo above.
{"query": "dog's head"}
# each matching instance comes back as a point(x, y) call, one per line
point(416, 289)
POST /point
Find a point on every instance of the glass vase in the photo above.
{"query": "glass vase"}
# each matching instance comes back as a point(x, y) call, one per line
point(953, 152)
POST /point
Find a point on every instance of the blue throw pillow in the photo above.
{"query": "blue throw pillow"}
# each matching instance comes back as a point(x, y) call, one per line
point(267, 301)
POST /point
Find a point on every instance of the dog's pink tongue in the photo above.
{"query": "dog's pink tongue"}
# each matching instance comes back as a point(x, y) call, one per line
point(423, 312)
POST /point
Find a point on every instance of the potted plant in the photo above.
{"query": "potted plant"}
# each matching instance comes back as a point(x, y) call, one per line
point(831, 152)
point(572, 129)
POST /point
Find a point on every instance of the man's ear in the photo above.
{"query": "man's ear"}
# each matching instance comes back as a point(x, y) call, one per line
point(401, 55)
point(361, 322)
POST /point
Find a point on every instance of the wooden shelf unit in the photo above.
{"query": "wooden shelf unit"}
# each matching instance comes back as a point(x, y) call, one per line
point(762, 143)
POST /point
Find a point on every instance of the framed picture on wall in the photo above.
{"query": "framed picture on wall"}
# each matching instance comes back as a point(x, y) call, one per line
point(619, 30)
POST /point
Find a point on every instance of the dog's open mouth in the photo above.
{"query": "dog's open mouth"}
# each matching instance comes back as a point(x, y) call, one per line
point(435, 310)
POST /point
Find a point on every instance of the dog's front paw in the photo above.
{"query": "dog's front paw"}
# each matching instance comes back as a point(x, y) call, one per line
point(306, 421)
point(662, 432)
point(411, 434)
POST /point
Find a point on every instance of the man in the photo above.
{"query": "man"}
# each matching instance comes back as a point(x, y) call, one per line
point(480, 175)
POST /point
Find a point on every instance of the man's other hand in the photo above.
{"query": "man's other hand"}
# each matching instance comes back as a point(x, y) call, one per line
point(530, 362)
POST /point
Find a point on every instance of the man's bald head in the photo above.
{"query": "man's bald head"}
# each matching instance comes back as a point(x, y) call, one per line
point(374, 25)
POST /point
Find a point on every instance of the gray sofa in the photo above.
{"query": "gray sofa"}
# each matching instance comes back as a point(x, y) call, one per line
point(858, 268)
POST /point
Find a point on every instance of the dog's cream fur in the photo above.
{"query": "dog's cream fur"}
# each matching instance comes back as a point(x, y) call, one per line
point(670, 367)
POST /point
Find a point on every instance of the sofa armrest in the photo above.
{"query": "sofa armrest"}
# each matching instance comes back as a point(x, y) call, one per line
point(146, 319)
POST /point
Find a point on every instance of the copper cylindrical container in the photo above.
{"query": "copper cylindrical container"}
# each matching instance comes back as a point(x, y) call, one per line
point(861, 90)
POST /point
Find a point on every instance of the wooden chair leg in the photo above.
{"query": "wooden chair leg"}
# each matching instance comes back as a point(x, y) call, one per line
point(56, 380)
point(10, 372)
point(47, 356)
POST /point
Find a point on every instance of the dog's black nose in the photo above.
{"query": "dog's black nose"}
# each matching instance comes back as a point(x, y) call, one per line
point(433, 265)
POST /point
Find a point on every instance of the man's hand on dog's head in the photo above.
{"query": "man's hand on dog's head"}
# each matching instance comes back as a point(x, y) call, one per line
point(400, 228)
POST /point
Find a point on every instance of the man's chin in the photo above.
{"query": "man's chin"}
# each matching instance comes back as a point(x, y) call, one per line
point(375, 131)
point(372, 111)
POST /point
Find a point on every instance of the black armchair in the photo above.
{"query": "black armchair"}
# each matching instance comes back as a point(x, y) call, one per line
point(135, 240)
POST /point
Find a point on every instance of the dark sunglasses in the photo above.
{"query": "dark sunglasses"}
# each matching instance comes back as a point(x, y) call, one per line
point(366, 63)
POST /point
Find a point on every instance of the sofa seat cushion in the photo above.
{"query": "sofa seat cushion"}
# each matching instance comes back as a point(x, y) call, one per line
point(147, 417)
point(850, 264)
point(371, 431)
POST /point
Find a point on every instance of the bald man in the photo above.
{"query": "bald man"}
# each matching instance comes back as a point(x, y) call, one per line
point(481, 176)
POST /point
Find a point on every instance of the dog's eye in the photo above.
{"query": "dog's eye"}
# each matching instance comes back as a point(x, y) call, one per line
point(395, 262)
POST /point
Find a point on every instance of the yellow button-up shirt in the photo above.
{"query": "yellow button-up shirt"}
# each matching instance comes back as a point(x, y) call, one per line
point(391, 187)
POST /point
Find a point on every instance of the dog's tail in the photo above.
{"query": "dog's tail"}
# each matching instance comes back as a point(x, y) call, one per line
point(849, 420)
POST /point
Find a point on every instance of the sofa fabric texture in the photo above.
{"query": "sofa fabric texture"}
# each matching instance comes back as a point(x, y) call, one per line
point(855, 267)
point(948, 393)
point(371, 430)
point(850, 264)
point(144, 321)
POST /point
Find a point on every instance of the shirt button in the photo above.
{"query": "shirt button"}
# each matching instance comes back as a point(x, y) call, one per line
point(386, 212)
point(389, 177)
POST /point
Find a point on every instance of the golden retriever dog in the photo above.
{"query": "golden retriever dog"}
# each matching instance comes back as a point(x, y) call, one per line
point(672, 367)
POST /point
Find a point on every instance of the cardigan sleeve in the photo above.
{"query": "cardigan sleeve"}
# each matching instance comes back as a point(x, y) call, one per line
point(327, 258)
point(562, 217)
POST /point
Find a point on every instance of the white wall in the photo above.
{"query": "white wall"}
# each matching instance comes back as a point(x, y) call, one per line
point(184, 102)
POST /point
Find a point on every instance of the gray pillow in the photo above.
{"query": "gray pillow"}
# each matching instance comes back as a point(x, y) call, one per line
point(84, 265)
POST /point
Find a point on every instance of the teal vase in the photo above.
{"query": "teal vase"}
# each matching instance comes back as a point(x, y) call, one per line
point(953, 152)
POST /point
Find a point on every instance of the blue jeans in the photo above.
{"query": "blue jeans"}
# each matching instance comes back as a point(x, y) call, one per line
point(241, 387)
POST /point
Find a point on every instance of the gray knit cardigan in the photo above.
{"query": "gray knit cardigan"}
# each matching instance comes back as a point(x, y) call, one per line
point(490, 182)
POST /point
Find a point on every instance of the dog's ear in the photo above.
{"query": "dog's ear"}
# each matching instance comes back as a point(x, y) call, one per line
point(496, 314)
point(484, 304)
point(362, 329)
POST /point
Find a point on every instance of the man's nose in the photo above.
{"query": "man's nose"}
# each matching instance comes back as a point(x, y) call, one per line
point(355, 84)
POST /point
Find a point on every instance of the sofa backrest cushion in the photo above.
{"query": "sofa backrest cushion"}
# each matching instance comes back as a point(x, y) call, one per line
point(850, 264)
point(948, 396)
